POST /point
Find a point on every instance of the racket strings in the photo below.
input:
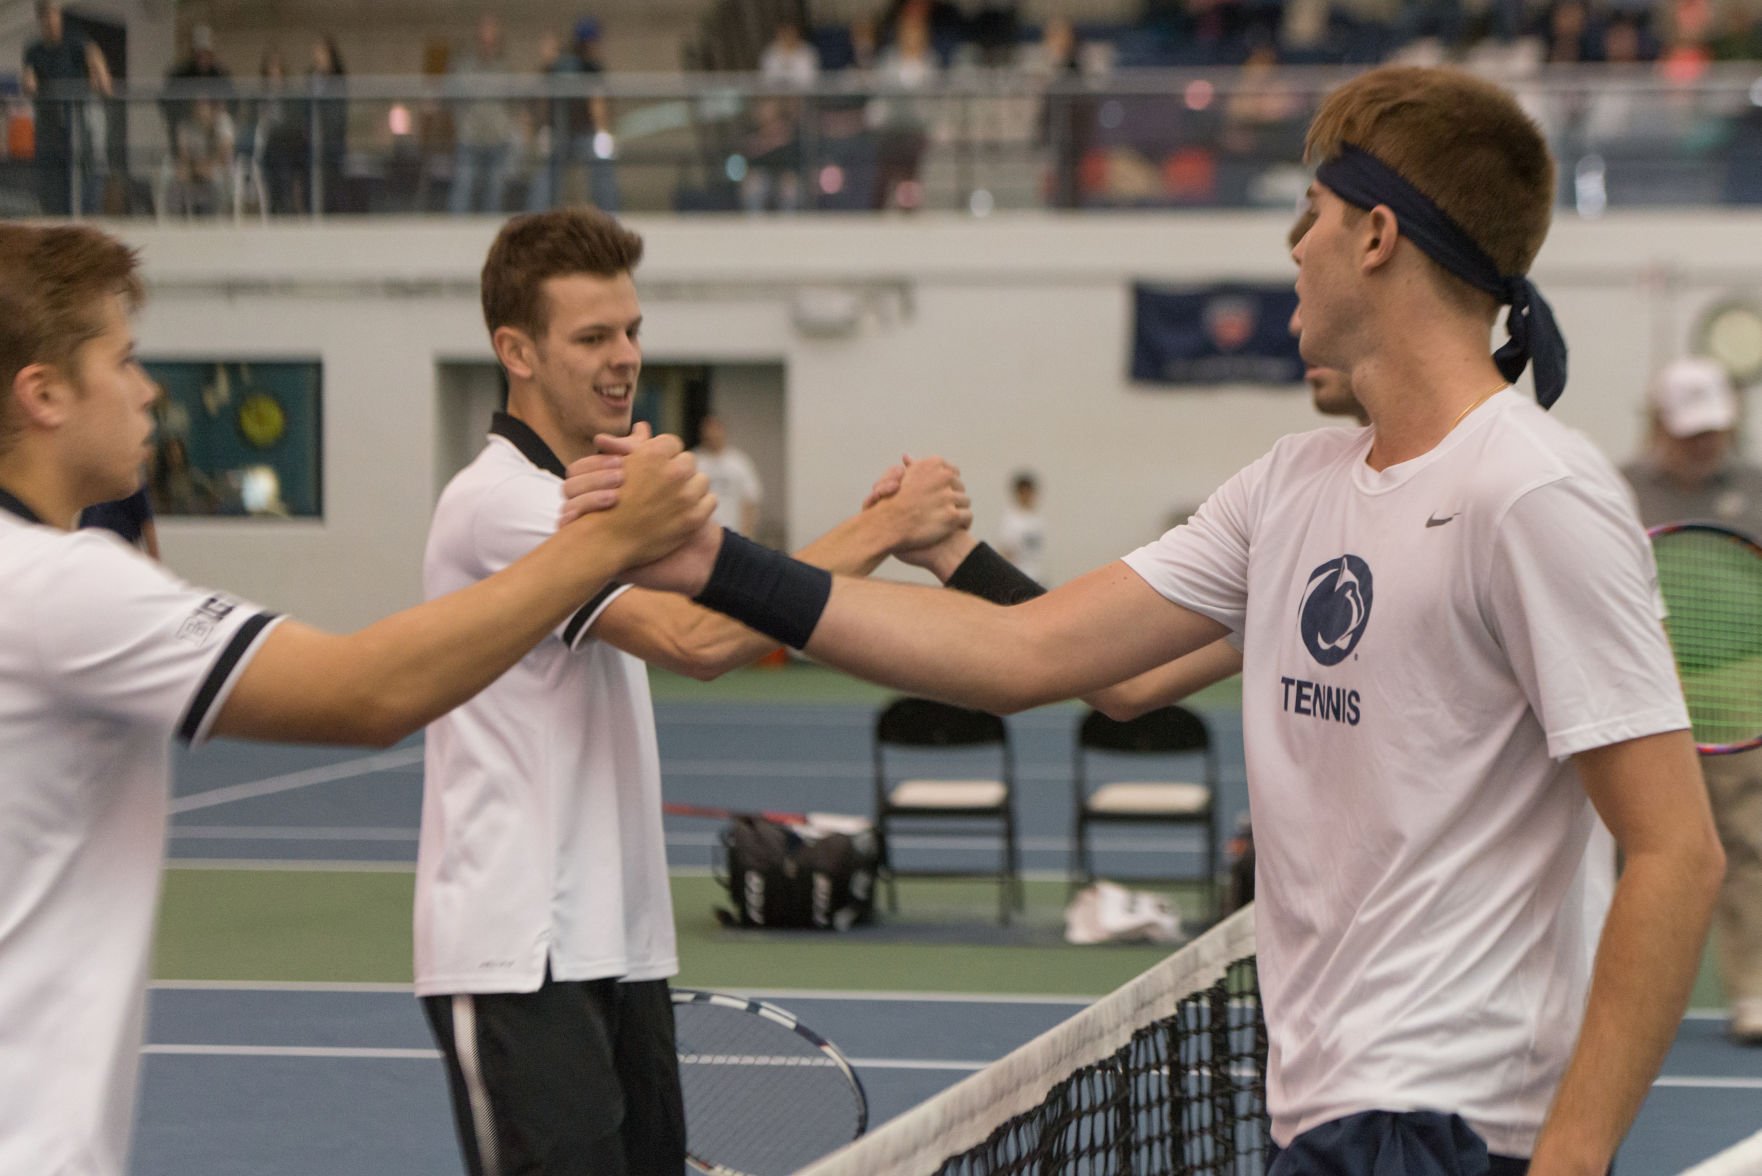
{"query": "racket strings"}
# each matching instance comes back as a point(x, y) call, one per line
point(1711, 581)
point(760, 1097)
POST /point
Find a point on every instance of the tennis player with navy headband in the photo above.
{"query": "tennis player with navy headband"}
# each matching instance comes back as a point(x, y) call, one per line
point(1453, 661)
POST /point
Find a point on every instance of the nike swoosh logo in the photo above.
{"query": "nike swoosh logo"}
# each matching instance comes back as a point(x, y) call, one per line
point(1434, 521)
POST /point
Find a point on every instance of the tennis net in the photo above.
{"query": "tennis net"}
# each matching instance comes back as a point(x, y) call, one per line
point(1165, 1075)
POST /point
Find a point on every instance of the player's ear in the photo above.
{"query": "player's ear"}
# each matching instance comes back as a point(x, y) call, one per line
point(1380, 232)
point(41, 394)
point(516, 351)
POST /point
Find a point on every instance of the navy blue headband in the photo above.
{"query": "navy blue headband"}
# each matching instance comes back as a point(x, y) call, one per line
point(1361, 179)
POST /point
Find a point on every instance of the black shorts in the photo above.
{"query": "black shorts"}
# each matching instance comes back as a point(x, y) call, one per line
point(580, 1078)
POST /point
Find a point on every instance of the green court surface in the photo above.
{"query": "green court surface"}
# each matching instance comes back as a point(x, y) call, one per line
point(353, 926)
point(339, 926)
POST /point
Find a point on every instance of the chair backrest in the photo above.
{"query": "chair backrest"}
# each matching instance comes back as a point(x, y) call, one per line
point(1166, 729)
point(921, 722)
point(923, 726)
point(1170, 731)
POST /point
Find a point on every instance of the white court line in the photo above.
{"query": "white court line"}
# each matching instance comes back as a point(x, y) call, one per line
point(320, 986)
point(292, 1051)
point(820, 770)
point(348, 866)
point(868, 996)
point(712, 769)
point(348, 769)
point(1184, 842)
point(1711, 1083)
point(857, 995)
point(297, 833)
point(273, 865)
point(365, 1053)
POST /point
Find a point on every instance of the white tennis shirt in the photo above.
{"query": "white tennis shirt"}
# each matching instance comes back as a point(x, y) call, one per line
point(541, 811)
point(1426, 645)
point(104, 656)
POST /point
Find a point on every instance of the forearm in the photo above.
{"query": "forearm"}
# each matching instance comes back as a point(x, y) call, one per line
point(1168, 683)
point(956, 647)
point(984, 573)
point(674, 634)
point(383, 682)
point(1645, 968)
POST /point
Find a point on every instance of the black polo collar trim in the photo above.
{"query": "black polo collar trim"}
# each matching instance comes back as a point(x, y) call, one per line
point(11, 503)
point(527, 442)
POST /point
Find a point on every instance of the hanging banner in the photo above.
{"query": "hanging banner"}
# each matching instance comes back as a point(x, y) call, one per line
point(1223, 334)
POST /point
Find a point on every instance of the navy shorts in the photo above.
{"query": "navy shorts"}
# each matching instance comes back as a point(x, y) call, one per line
point(1386, 1143)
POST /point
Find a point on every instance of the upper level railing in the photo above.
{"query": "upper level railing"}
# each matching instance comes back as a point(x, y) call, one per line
point(977, 141)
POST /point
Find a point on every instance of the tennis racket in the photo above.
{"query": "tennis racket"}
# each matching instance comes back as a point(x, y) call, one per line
point(764, 1094)
point(678, 809)
point(1711, 579)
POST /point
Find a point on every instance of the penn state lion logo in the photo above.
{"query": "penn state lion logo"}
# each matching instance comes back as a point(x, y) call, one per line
point(1336, 609)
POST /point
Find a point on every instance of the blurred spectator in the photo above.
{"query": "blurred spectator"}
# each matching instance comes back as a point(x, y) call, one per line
point(1611, 108)
point(487, 147)
point(900, 112)
point(1570, 36)
point(789, 61)
point(201, 178)
point(842, 113)
point(60, 70)
point(1066, 115)
point(865, 49)
point(1021, 534)
point(329, 124)
point(580, 128)
point(773, 178)
point(1264, 115)
point(1688, 54)
point(734, 480)
point(995, 30)
point(201, 66)
point(942, 22)
point(273, 138)
point(1690, 471)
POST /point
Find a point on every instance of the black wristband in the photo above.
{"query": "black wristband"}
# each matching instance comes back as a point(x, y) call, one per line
point(766, 590)
point(989, 576)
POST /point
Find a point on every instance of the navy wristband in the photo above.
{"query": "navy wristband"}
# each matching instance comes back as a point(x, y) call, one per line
point(766, 590)
point(989, 576)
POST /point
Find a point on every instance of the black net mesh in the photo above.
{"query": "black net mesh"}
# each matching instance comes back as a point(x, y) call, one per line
point(1185, 1095)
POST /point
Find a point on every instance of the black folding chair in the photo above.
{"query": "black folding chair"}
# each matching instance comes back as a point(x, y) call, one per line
point(911, 731)
point(1168, 736)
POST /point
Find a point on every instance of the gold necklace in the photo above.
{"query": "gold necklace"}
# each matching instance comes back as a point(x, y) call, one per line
point(1475, 405)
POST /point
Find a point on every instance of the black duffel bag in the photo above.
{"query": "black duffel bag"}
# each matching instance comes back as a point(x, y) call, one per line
point(820, 874)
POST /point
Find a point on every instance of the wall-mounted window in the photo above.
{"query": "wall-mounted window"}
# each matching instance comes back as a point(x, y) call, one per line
point(237, 438)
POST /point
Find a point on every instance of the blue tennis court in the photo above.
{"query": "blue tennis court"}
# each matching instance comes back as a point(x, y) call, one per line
point(317, 1059)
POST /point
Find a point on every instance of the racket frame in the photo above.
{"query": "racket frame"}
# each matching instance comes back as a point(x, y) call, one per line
point(674, 808)
point(1653, 534)
point(744, 1004)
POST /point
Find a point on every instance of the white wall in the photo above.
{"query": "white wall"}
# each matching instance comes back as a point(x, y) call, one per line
point(1000, 343)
